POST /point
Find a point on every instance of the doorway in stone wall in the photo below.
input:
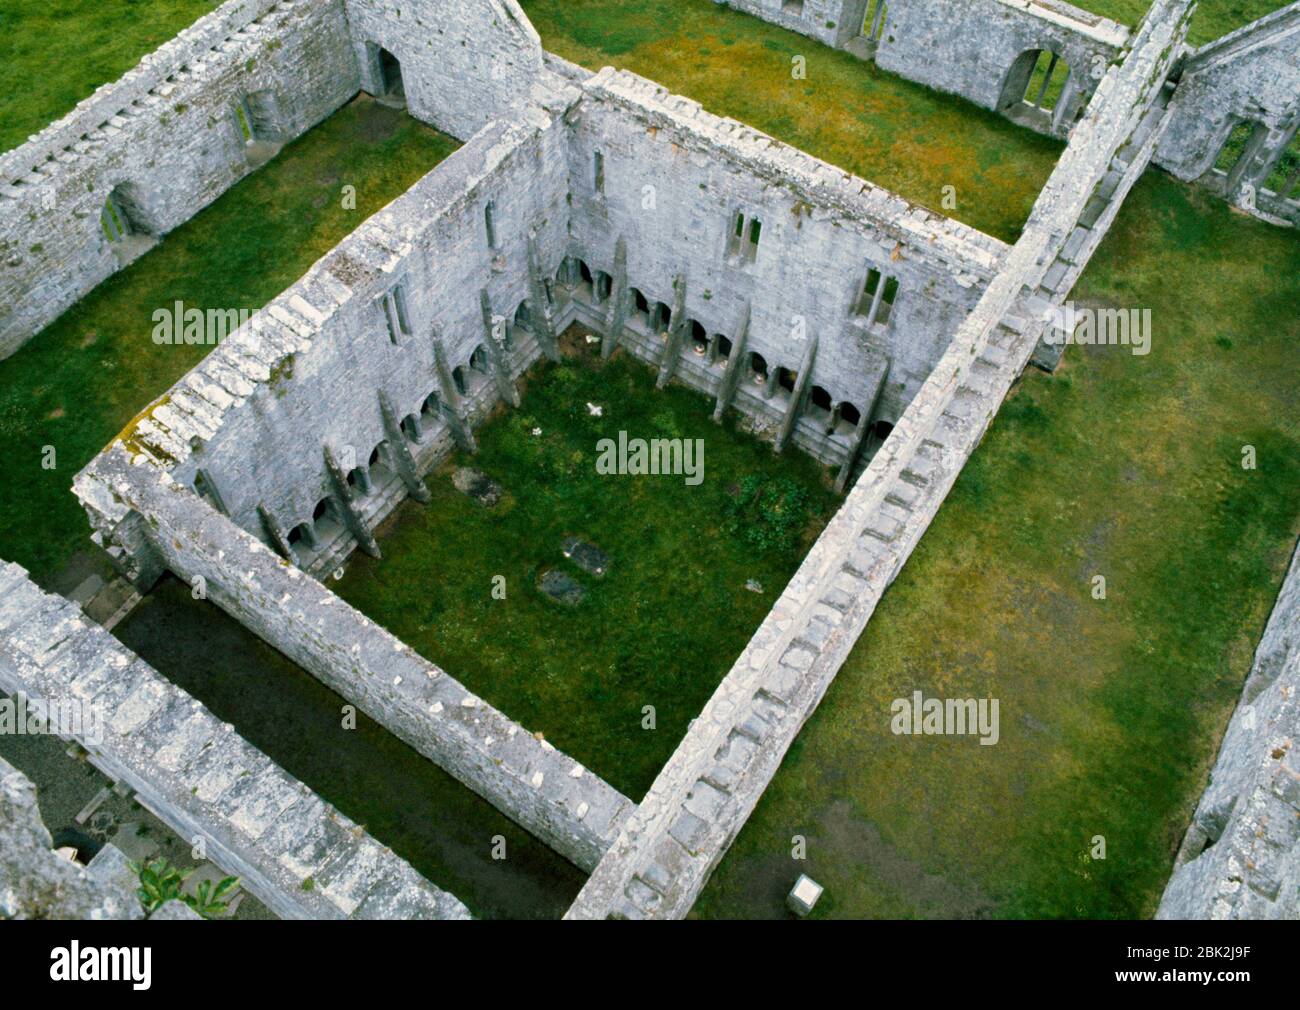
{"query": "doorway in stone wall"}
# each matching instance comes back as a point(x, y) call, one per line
point(392, 89)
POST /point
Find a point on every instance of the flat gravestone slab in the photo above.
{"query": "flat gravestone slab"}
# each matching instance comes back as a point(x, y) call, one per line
point(590, 558)
point(479, 486)
point(561, 588)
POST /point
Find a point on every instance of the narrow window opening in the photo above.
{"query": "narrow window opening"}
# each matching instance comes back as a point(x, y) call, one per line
point(873, 23)
point(600, 172)
point(490, 225)
point(699, 339)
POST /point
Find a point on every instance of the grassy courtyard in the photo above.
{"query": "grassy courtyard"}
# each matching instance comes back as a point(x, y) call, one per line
point(77, 383)
point(897, 134)
point(56, 53)
point(660, 628)
point(1212, 19)
point(1111, 710)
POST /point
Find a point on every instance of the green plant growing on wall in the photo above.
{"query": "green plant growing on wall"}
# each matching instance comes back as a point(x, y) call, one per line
point(161, 882)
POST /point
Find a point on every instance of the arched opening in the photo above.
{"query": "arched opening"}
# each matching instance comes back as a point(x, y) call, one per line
point(325, 520)
point(478, 360)
point(412, 428)
point(758, 368)
point(604, 286)
point(640, 308)
point(378, 464)
point(662, 318)
point(721, 347)
point(359, 480)
point(699, 339)
point(785, 378)
point(431, 408)
point(390, 75)
point(1037, 87)
point(523, 317)
point(458, 379)
point(124, 214)
point(586, 282)
point(820, 399)
point(302, 534)
point(882, 429)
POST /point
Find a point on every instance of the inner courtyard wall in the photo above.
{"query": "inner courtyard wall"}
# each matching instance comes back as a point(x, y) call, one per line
point(307, 372)
point(165, 140)
point(657, 172)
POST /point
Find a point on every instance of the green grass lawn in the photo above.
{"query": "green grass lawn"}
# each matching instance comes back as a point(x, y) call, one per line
point(663, 625)
point(75, 385)
point(1111, 710)
point(897, 134)
point(1212, 19)
point(55, 53)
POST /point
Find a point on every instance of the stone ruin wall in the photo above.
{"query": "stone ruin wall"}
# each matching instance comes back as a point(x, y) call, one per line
point(297, 854)
point(167, 133)
point(142, 509)
point(971, 48)
point(674, 177)
point(463, 64)
point(308, 370)
point(710, 785)
point(165, 138)
point(1240, 858)
point(1250, 76)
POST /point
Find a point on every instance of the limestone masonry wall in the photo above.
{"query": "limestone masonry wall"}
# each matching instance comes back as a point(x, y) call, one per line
point(1240, 858)
point(38, 883)
point(550, 794)
point(710, 785)
point(463, 64)
point(163, 141)
point(297, 854)
point(673, 179)
point(983, 50)
point(1250, 77)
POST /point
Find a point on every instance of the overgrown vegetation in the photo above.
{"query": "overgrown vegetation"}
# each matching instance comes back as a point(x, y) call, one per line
point(660, 628)
point(161, 882)
point(57, 52)
point(1111, 710)
point(76, 384)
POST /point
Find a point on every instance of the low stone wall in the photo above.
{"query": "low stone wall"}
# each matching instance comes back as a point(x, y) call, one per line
point(297, 854)
point(712, 782)
point(1240, 858)
point(561, 802)
point(163, 141)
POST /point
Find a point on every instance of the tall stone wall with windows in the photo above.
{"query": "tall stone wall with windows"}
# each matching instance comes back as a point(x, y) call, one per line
point(162, 141)
point(249, 427)
point(722, 223)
